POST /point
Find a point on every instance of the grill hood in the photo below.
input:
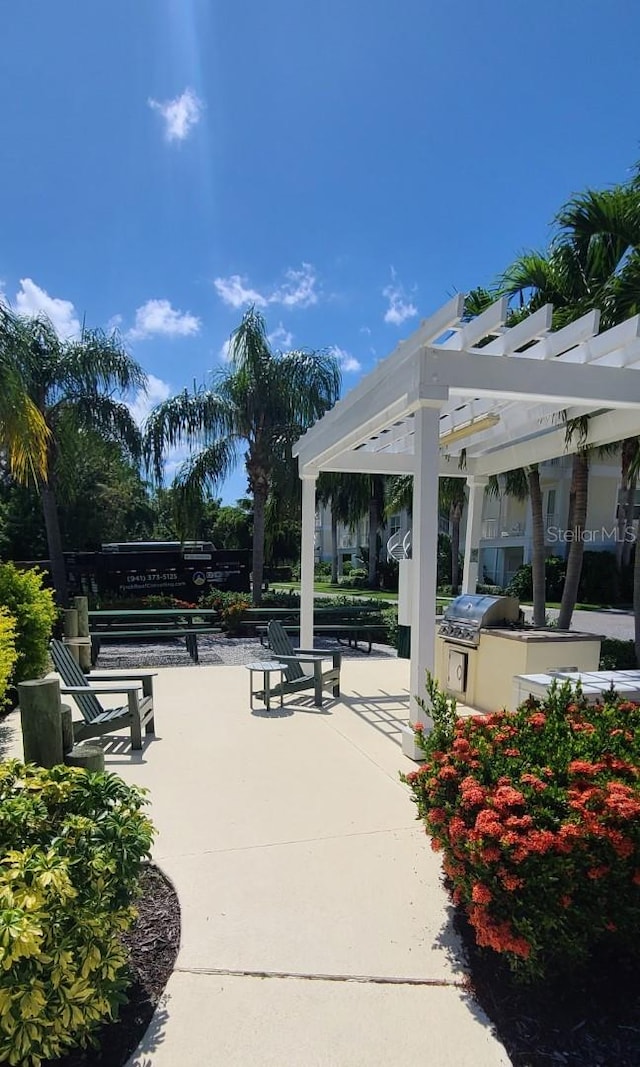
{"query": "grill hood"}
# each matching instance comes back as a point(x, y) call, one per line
point(478, 610)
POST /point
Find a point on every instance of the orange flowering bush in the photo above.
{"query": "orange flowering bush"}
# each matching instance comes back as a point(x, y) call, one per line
point(537, 813)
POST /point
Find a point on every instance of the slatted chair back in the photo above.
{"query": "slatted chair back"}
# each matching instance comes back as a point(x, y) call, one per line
point(280, 644)
point(71, 674)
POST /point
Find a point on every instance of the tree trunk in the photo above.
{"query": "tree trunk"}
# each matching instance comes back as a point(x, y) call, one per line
point(630, 509)
point(571, 510)
point(538, 548)
point(576, 539)
point(54, 542)
point(334, 548)
point(636, 599)
point(259, 505)
point(455, 516)
point(374, 522)
point(625, 514)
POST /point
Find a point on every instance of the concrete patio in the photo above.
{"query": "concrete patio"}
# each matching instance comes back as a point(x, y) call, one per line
point(315, 930)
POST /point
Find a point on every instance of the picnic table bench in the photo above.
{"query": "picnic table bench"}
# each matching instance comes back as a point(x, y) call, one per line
point(353, 623)
point(130, 624)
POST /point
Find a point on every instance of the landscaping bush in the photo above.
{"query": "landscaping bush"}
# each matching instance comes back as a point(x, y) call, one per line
point(521, 585)
point(32, 606)
point(390, 618)
point(231, 607)
point(8, 655)
point(355, 579)
point(538, 815)
point(617, 655)
point(73, 845)
point(599, 578)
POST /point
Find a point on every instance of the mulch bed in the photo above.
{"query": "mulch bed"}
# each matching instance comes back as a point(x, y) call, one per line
point(589, 1018)
point(153, 943)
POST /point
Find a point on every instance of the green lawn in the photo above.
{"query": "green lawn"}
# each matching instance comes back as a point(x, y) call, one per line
point(339, 590)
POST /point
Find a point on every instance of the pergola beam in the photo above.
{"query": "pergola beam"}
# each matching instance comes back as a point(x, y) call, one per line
point(534, 381)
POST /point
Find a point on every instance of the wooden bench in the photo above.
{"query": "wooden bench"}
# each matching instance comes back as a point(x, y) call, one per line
point(353, 633)
point(190, 634)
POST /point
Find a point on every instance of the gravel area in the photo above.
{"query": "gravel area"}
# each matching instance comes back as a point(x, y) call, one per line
point(221, 651)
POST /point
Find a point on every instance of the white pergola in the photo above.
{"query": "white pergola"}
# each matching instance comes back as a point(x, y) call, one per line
point(468, 399)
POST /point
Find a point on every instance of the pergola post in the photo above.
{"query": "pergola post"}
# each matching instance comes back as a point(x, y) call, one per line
point(307, 559)
point(477, 486)
point(424, 553)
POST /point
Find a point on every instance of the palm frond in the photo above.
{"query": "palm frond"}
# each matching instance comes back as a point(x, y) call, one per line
point(207, 469)
point(109, 418)
point(98, 362)
point(195, 419)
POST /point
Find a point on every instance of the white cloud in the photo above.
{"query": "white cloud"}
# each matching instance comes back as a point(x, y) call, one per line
point(225, 350)
point(180, 115)
point(281, 339)
point(297, 290)
point(144, 401)
point(400, 306)
point(32, 300)
point(348, 363)
point(157, 317)
point(234, 292)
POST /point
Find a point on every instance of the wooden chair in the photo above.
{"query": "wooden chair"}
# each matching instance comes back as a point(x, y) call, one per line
point(304, 666)
point(137, 713)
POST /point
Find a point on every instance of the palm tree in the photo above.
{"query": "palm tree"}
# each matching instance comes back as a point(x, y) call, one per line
point(23, 432)
point(451, 501)
point(594, 261)
point(347, 497)
point(71, 384)
point(258, 404)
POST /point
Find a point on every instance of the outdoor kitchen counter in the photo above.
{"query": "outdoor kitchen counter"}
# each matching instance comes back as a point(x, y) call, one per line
point(562, 636)
point(503, 653)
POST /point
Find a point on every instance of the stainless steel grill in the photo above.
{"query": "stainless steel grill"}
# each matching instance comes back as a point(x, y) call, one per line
point(469, 613)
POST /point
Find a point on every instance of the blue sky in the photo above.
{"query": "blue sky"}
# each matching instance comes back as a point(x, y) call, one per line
point(345, 165)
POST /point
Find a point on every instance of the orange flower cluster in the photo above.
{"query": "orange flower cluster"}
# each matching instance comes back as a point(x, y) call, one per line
point(537, 815)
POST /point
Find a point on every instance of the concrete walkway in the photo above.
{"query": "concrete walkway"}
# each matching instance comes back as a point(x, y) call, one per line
point(315, 931)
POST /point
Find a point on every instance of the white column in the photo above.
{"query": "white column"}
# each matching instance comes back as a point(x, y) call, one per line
point(424, 552)
point(474, 530)
point(307, 557)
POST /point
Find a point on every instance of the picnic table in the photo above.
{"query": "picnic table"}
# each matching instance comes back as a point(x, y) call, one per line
point(130, 624)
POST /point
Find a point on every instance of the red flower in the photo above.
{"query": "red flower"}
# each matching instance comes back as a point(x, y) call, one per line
point(537, 720)
point(488, 823)
point(506, 796)
point(566, 901)
point(597, 872)
point(472, 793)
point(511, 881)
point(636, 878)
point(582, 768)
point(533, 780)
point(418, 727)
point(480, 894)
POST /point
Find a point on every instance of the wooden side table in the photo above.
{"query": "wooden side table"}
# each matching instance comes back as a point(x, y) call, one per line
point(266, 668)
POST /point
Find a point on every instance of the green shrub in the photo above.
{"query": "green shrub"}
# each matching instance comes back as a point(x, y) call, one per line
point(617, 655)
point(355, 579)
point(599, 578)
point(231, 606)
point(521, 585)
point(8, 654)
point(390, 617)
point(73, 844)
point(322, 569)
point(23, 596)
point(538, 815)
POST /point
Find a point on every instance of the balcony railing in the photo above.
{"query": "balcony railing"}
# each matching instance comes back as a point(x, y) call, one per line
point(493, 529)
